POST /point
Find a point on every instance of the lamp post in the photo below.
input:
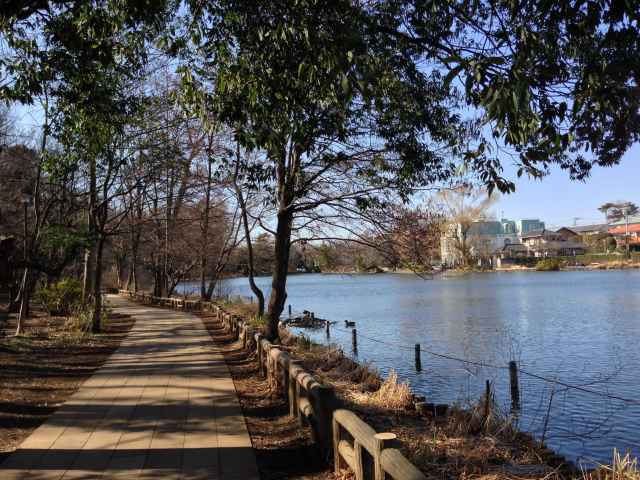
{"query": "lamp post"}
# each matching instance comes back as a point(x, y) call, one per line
point(27, 198)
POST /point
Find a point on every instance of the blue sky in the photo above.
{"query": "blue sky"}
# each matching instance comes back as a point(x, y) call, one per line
point(557, 200)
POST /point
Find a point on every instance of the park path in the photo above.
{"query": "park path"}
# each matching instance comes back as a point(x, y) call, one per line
point(162, 407)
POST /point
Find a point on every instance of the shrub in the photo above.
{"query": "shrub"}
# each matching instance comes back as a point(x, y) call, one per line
point(303, 343)
point(549, 265)
point(80, 322)
point(600, 257)
point(622, 468)
point(62, 297)
point(525, 261)
point(393, 394)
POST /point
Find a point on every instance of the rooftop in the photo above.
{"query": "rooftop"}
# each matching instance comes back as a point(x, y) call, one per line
point(596, 227)
point(622, 221)
point(535, 233)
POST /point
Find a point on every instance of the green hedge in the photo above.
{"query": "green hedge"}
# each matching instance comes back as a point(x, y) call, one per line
point(525, 261)
point(549, 265)
point(600, 258)
point(62, 297)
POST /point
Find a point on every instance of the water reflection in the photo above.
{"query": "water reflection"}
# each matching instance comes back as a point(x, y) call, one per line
point(579, 327)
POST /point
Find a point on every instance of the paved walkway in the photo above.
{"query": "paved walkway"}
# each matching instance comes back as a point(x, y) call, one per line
point(162, 407)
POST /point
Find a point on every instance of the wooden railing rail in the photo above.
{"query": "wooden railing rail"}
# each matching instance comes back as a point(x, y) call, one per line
point(397, 465)
point(353, 442)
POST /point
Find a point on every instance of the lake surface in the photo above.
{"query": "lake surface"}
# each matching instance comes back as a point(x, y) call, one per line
point(581, 328)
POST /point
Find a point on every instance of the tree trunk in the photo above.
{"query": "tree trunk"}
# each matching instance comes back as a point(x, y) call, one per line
point(14, 297)
point(119, 266)
point(87, 274)
point(158, 280)
point(205, 235)
point(280, 271)
point(213, 282)
point(24, 302)
point(134, 273)
point(89, 254)
point(203, 278)
point(97, 287)
point(252, 282)
point(247, 235)
point(129, 282)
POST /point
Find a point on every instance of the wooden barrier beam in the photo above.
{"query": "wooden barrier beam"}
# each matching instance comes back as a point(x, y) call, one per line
point(294, 368)
point(358, 429)
point(348, 454)
point(397, 465)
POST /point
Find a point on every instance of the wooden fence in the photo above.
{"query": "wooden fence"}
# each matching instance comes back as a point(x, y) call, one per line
point(336, 431)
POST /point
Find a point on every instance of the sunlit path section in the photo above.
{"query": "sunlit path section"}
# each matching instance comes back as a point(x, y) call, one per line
point(162, 407)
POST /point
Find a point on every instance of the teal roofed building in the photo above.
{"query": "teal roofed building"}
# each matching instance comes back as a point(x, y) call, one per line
point(486, 228)
point(508, 226)
point(525, 226)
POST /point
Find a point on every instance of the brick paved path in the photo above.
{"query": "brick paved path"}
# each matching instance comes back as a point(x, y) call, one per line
point(162, 407)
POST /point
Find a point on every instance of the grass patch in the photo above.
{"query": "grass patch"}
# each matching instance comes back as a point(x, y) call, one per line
point(549, 265)
point(392, 394)
point(622, 468)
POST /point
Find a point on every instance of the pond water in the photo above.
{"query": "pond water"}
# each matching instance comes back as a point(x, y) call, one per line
point(580, 328)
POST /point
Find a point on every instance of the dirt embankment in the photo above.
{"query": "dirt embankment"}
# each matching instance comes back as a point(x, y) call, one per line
point(42, 368)
point(461, 443)
point(283, 448)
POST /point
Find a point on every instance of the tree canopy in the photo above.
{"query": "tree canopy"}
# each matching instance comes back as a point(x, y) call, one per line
point(336, 109)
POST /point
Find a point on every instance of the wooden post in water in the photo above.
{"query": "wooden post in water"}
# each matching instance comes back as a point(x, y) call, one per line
point(289, 311)
point(354, 340)
point(515, 389)
point(487, 401)
point(327, 327)
point(418, 359)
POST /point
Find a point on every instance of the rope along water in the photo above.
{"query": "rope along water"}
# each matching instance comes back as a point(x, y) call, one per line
point(498, 367)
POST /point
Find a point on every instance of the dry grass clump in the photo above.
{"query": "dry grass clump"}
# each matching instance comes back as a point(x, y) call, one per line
point(480, 419)
point(246, 310)
point(392, 394)
point(332, 365)
point(622, 468)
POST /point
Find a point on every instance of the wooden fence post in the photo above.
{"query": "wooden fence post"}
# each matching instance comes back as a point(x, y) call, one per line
point(382, 441)
point(259, 352)
point(359, 463)
point(337, 459)
point(267, 357)
point(284, 361)
point(294, 367)
point(324, 408)
point(274, 368)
